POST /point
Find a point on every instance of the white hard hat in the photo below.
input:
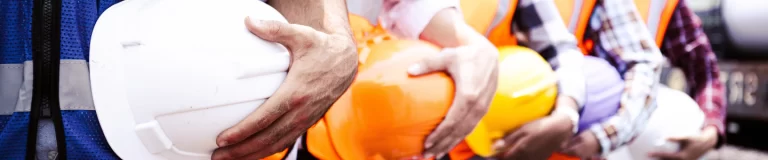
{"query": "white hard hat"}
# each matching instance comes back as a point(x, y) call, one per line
point(169, 75)
point(746, 23)
point(676, 115)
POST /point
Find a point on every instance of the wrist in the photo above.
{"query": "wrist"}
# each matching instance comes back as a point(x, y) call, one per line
point(568, 117)
point(710, 133)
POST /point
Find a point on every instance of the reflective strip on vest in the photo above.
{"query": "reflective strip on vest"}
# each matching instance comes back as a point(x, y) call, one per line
point(656, 14)
point(576, 14)
point(16, 89)
point(11, 78)
point(501, 34)
point(501, 11)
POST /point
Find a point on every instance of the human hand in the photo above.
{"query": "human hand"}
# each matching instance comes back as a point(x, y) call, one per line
point(691, 147)
point(322, 68)
point(536, 140)
point(474, 70)
point(585, 145)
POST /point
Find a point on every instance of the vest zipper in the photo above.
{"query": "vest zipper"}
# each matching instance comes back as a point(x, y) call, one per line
point(46, 40)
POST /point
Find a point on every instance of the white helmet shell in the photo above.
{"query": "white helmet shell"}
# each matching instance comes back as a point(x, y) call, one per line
point(746, 23)
point(168, 76)
point(676, 115)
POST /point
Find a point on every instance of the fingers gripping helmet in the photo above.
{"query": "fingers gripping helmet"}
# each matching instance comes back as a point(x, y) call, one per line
point(168, 76)
point(526, 91)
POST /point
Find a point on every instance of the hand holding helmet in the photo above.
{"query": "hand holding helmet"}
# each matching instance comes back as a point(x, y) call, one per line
point(322, 67)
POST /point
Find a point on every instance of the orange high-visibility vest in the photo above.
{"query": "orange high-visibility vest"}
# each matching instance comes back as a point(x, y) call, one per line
point(492, 18)
point(576, 14)
point(655, 13)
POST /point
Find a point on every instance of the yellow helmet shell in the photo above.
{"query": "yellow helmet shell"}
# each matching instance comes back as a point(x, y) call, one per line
point(526, 91)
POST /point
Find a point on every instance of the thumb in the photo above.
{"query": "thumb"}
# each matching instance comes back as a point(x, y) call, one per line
point(289, 35)
point(435, 63)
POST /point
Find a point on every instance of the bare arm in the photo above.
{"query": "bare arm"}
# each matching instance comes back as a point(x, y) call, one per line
point(448, 29)
point(688, 48)
point(329, 16)
point(467, 56)
point(622, 33)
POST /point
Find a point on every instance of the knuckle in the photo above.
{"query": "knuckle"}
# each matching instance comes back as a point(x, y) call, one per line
point(478, 112)
point(273, 29)
point(448, 122)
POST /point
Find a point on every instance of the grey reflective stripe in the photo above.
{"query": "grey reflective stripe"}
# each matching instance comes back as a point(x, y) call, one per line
point(577, 4)
point(501, 12)
point(654, 15)
point(75, 86)
point(11, 78)
point(24, 103)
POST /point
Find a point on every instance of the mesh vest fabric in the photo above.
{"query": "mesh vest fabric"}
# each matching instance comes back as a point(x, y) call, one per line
point(83, 135)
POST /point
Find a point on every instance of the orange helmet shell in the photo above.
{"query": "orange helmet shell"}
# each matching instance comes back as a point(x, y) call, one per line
point(389, 113)
point(360, 26)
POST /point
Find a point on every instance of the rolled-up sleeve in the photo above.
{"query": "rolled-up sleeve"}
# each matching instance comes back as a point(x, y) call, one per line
point(408, 18)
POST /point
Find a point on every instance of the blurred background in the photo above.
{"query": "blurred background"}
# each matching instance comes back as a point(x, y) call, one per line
point(738, 31)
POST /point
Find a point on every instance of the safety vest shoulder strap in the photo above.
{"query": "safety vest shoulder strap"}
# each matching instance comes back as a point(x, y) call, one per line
point(479, 14)
point(575, 14)
point(491, 17)
point(501, 30)
point(656, 14)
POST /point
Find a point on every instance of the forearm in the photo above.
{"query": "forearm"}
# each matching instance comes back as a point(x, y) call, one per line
point(448, 29)
point(622, 33)
point(637, 104)
point(712, 102)
point(329, 16)
point(688, 48)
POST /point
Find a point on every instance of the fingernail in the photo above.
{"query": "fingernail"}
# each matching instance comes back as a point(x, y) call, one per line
point(429, 144)
point(415, 69)
point(254, 21)
point(440, 156)
point(498, 144)
point(428, 155)
point(223, 143)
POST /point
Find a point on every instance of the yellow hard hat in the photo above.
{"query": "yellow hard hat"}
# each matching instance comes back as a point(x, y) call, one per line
point(526, 91)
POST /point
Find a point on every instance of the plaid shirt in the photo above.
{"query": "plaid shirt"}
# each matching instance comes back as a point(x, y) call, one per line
point(537, 25)
point(687, 47)
point(635, 55)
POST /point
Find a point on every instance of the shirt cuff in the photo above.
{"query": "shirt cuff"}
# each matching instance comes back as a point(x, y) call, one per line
point(408, 18)
point(602, 138)
point(717, 123)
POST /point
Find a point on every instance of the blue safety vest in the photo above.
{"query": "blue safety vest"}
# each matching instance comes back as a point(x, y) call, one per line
point(44, 47)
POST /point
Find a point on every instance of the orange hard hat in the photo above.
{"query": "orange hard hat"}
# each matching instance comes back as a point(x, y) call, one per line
point(277, 156)
point(385, 114)
point(359, 25)
point(560, 156)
